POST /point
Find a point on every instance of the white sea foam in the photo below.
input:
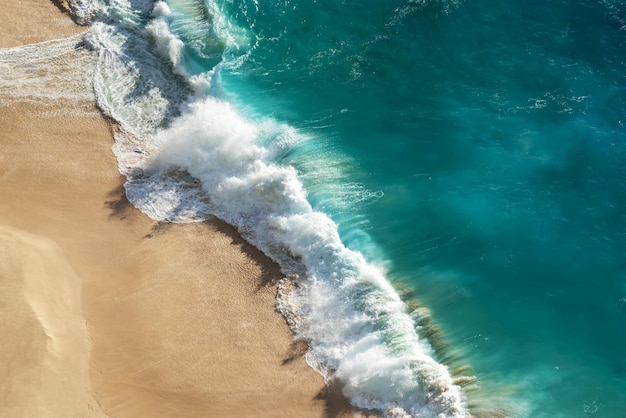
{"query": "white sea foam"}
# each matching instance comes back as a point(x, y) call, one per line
point(84, 11)
point(168, 45)
point(357, 325)
point(39, 73)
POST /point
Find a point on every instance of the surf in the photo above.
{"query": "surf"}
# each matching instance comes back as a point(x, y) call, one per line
point(190, 154)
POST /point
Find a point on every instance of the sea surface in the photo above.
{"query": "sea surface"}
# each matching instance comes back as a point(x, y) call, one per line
point(443, 181)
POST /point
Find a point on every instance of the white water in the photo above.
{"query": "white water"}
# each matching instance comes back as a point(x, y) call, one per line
point(38, 73)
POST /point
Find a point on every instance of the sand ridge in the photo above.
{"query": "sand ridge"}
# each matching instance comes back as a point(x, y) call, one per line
point(46, 348)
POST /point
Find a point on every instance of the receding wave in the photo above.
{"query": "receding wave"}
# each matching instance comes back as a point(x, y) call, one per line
point(35, 74)
point(189, 154)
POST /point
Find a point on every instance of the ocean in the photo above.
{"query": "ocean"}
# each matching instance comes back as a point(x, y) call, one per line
point(443, 182)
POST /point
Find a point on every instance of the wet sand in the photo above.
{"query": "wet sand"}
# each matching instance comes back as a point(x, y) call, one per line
point(104, 311)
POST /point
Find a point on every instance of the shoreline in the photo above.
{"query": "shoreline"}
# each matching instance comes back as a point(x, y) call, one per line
point(169, 319)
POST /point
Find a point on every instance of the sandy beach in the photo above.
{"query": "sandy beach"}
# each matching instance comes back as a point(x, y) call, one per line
point(106, 313)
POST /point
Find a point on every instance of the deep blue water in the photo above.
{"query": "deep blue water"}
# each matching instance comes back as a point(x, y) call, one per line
point(476, 150)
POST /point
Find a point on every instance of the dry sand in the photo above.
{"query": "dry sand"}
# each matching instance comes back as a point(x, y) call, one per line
point(104, 312)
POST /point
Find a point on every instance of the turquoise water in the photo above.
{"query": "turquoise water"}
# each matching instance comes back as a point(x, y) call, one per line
point(474, 151)
point(495, 132)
